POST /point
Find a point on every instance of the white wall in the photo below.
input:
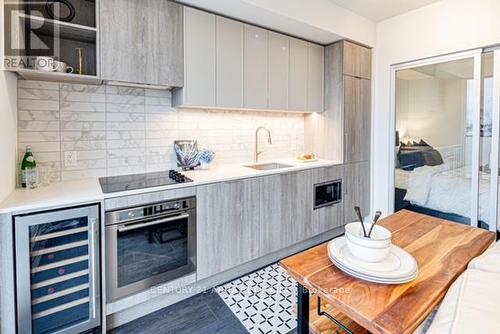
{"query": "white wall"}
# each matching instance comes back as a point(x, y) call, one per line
point(444, 27)
point(8, 125)
point(8, 133)
point(432, 109)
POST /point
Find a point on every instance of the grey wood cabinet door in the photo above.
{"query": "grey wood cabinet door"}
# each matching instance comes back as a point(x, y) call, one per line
point(357, 60)
point(199, 67)
point(328, 217)
point(297, 91)
point(229, 59)
point(356, 119)
point(256, 68)
point(141, 43)
point(356, 187)
point(227, 225)
point(299, 193)
point(286, 210)
point(315, 77)
point(279, 54)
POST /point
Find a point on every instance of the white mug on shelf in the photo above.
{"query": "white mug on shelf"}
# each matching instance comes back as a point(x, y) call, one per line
point(62, 67)
point(48, 64)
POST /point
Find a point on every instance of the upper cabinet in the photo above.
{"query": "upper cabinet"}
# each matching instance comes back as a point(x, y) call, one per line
point(279, 59)
point(342, 133)
point(357, 60)
point(297, 99)
point(356, 119)
point(315, 77)
point(228, 64)
point(142, 44)
point(256, 68)
point(199, 60)
point(32, 30)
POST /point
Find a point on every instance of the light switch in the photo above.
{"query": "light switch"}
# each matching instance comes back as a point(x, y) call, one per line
point(70, 158)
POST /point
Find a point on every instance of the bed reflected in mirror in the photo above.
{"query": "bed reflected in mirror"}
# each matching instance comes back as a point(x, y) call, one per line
point(434, 140)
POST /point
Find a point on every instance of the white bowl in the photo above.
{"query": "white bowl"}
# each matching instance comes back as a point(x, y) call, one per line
point(373, 249)
point(380, 236)
point(367, 254)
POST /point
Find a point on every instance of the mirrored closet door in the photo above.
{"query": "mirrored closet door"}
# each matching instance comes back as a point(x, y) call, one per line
point(444, 148)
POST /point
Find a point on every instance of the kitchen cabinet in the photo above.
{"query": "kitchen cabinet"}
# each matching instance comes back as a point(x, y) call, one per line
point(356, 119)
point(356, 189)
point(285, 210)
point(357, 60)
point(229, 62)
point(199, 60)
point(315, 77)
point(298, 194)
point(328, 217)
point(279, 54)
point(142, 44)
point(297, 84)
point(343, 131)
point(242, 220)
point(256, 68)
point(227, 225)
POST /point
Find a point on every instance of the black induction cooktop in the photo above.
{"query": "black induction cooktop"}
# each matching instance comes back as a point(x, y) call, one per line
point(113, 184)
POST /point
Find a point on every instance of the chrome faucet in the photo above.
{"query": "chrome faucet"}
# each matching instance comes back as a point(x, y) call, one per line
point(257, 152)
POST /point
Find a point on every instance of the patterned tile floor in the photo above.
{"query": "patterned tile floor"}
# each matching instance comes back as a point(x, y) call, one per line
point(263, 300)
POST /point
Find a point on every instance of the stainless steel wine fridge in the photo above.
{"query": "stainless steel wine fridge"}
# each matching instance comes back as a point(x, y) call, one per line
point(57, 271)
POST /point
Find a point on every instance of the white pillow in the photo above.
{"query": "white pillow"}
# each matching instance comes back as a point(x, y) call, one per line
point(489, 260)
point(472, 305)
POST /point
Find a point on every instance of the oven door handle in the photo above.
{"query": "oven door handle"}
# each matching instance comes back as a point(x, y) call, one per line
point(130, 227)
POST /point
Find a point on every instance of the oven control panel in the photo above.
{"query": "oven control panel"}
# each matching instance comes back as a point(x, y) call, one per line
point(149, 211)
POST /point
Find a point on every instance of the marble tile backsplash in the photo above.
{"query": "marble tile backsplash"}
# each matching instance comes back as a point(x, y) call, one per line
point(121, 130)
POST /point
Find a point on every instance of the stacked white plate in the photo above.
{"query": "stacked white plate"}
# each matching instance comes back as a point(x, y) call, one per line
point(399, 266)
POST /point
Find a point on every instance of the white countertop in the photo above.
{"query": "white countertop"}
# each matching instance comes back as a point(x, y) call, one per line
point(68, 193)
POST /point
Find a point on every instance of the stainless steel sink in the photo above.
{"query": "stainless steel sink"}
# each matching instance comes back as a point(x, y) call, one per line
point(268, 166)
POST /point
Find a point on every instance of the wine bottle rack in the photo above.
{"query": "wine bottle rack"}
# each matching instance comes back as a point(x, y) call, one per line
point(57, 262)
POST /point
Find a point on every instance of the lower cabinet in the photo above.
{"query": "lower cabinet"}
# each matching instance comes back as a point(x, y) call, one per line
point(242, 220)
point(356, 189)
point(227, 225)
point(286, 210)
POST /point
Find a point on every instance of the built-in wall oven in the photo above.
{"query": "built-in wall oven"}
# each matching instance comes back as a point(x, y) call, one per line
point(149, 245)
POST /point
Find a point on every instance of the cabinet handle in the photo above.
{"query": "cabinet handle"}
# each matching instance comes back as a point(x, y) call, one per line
point(130, 227)
point(93, 232)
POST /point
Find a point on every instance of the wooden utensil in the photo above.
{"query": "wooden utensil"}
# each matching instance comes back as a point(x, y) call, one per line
point(360, 217)
point(375, 219)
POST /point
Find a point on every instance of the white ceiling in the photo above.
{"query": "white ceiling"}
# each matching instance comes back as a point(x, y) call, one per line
point(320, 21)
point(378, 10)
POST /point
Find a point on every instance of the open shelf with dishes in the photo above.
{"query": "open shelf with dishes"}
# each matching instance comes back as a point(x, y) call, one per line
point(56, 41)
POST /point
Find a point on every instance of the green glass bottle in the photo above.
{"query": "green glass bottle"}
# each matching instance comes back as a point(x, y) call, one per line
point(28, 168)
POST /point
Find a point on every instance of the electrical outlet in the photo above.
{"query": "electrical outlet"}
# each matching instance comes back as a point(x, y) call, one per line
point(70, 159)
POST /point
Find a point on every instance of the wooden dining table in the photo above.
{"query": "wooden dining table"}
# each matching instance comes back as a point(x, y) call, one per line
point(442, 250)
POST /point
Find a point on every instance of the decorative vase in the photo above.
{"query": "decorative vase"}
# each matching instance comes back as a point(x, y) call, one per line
point(205, 165)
